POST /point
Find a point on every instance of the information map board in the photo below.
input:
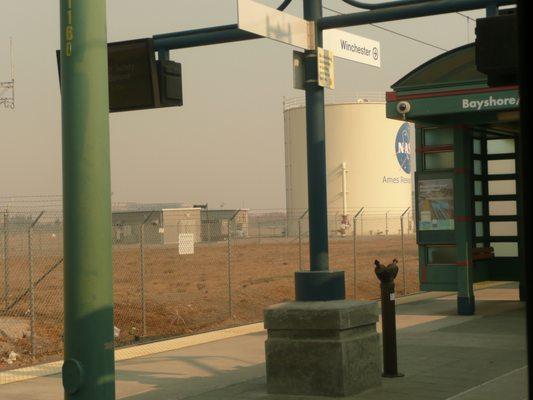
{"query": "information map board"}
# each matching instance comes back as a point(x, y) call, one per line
point(435, 204)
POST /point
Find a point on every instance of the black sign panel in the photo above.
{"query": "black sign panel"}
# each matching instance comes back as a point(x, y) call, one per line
point(497, 49)
point(133, 77)
point(133, 82)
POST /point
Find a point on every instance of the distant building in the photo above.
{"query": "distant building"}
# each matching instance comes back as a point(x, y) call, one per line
point(215, 224)
point(160, 226)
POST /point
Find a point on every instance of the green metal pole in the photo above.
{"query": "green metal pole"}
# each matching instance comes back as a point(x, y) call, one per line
point(318, 283)
point(88, 371)
point(463, 188)
point(316, 151)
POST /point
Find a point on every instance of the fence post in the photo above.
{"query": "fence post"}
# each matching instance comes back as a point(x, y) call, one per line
point(300, 244)
point(362, 230)
point(387, 223)
point(230, 302)
point(32, 295)
point(31, 285)
point(143, 309)
point(230, 299)
point(300, 239)
point(403, 253)
point(354, 251)
point(143, 273)
point(6, 258)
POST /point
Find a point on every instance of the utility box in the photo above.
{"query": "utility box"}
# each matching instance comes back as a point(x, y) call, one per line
point(170, 85)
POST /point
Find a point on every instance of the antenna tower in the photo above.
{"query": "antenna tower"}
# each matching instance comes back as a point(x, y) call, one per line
point(7, 89)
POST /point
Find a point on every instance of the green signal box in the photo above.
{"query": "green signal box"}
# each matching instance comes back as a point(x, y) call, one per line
point(497, 49)
point(170, 88)
point(137, 81)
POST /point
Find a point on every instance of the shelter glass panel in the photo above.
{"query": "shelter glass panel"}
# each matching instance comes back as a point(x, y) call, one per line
point(477, 167)
point(497, 208)
point(501, 167)
point(438, 136)
point(478, 188)
point(502, 187)
point(504, 228)
point(505, 249)
point(500, 146)
point(441, 255)
point(477, 146)
point(479, 229)
point(441, 160)
point(478, 205)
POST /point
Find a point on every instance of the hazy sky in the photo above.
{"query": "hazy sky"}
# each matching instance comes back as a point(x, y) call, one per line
point(225, 145)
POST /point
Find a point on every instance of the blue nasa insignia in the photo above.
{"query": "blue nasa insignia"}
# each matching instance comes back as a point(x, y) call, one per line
point(403, 148)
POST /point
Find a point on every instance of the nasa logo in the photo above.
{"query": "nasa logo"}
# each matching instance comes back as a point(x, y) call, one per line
point(403, 148)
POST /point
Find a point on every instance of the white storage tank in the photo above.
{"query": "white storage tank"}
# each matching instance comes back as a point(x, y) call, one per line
point(369, 164)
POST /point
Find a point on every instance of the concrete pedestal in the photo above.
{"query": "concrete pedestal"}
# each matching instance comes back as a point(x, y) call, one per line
point(328, 348)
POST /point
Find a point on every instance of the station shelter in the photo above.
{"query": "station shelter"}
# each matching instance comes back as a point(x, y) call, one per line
point(467, 194)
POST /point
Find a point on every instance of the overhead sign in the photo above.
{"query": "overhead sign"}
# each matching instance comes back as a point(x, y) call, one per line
point(133, 83)
point(277, 25)
point(138, 81)
point(352, 47)
point(326, 71)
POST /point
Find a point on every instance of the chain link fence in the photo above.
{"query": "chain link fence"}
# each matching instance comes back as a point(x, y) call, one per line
point(184, 271)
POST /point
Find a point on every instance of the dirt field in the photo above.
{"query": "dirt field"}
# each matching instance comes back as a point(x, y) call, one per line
point(190, 293)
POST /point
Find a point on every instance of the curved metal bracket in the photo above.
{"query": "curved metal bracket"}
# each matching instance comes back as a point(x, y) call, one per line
point(376, 6)
point(284, 5)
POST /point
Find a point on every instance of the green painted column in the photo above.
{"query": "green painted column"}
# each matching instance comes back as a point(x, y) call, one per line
point(316, 151)
point(463, 192)
point(88, 371)
point(319, 283)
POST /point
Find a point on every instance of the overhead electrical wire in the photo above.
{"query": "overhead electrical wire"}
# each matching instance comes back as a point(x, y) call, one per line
point(394, 32)
point(466, 16)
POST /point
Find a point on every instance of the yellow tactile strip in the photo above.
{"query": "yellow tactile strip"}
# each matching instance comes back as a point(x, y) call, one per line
point(127, 353)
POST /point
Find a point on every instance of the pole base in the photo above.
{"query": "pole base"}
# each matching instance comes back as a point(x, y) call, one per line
point(396, 375)
point(322, 348)
point(466, 305)
point(319, 285)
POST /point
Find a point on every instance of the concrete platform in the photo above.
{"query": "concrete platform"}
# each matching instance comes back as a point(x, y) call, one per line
point(444, 357)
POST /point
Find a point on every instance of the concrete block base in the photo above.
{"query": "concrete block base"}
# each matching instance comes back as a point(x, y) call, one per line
point(328, 348)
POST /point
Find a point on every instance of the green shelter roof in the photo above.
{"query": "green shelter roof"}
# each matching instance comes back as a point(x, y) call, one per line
point(453, 69)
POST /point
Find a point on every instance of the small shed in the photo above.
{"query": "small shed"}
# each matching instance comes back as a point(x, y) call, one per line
point(127, 227)
point(159, 226)
point(181, 220)
point(215, 224)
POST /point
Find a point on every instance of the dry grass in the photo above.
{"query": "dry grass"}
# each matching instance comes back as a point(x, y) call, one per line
point(189, 294)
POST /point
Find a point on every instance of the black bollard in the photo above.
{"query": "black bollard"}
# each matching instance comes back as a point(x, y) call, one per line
point(386, 275)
